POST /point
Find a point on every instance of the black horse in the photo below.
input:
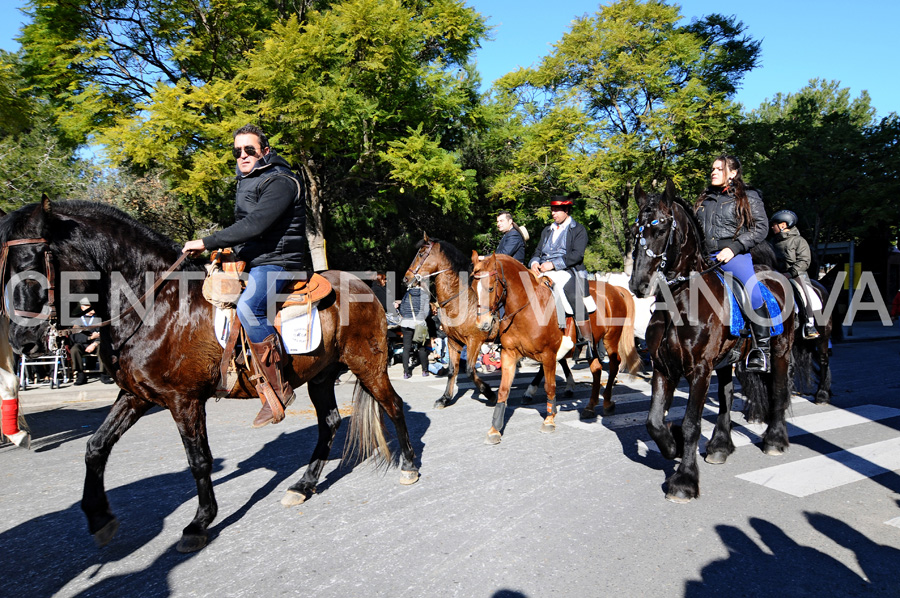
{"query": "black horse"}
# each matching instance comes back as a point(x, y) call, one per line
point(166, 353)
point(811, 362)
point(692, 339)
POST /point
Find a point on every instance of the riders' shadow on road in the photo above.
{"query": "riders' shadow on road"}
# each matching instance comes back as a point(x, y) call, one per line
point(32, 548)
point(787, 568)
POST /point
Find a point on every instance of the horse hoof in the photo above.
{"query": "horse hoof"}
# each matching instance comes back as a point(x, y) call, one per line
point(191, 543)
point(492, 438)
point(408, 478)
point(490, 403)
point(823, 400)
point(440, 404)
point(105, 534)
point(292, 498)
point(678, 497)
point(568, 394)
point(773, 451)
point(548, 428)
point(526, 400)
point(588, 413)
point(716, 458)
point(611, 410)
point(21, 439)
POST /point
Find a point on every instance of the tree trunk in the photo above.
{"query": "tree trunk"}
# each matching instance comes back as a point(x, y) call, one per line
point(315, 228)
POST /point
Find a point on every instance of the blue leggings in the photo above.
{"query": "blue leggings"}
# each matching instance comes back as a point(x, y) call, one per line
point(263, 284)
point(741, 266)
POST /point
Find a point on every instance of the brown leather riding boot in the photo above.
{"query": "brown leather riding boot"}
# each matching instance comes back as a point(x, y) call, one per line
point(274, 390)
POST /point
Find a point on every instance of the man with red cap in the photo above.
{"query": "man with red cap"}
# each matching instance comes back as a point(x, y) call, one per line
point(560, 257)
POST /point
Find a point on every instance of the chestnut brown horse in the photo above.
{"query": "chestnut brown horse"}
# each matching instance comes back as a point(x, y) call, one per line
point(691, 337)
point(165, 351)
point(613, 324)
point(457, 303)
point(528, 328)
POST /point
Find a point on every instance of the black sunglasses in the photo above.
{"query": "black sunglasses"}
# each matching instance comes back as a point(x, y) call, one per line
point(247, 149)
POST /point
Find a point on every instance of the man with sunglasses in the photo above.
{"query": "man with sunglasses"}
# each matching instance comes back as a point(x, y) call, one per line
point(269, 234)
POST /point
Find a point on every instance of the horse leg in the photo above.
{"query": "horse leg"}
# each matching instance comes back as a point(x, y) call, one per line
point(533, 386)
point(661, 394)
point(570, 379)
point(684, 484)
point(549, 424)
point(612, 351)
point(775, 439)
point(452, 371)
point(377, 385)
point(720, 445)
point(484, 389)
point(508, 372)
point(191, 422)
point(126, 410)
point(823, 392)
point(321, 394)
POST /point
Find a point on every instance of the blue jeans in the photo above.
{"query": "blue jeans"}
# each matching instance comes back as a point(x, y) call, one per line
point(741, 266)
point(263, 283)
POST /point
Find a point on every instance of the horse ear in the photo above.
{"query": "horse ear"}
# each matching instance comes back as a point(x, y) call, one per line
point(474, 258)
point(640, 197)
point(425, 236)
point(45, 203)
point(667, 199)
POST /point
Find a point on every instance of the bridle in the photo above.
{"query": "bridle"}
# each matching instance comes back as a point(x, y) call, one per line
point(415, 273)
point(671, 278)
point(51, 280)
point(51, 316)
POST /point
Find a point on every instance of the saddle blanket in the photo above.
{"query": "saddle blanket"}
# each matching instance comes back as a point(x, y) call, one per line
point(560, 278)
point(302, 334)
point(737, 316)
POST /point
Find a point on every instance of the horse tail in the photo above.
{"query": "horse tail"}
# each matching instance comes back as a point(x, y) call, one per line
point(366, 437)
point(627, 348)
point(756, 394)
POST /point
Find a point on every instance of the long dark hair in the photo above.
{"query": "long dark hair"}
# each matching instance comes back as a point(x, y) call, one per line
point(735, 187)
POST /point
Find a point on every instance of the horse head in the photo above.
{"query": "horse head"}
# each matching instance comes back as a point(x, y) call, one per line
point(28, 273)
point(489, 287)
point(663, 244)
point(423, 251)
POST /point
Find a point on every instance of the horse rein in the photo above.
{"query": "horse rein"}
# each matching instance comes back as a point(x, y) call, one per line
point(51, 288)
point(661, 268)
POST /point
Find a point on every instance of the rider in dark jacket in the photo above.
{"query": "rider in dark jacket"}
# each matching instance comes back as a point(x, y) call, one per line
point(512, 243)
point(734, 221)
point(268, 234)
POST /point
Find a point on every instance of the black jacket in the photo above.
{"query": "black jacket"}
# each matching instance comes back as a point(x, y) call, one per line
point(270, 217)
point(512, 244)
point(576, 243)
point(719, 219)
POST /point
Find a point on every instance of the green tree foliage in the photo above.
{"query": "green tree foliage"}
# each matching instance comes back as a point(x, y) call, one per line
point(34, 157)
point(825, 156)
point(626, 96)
point(371, 101)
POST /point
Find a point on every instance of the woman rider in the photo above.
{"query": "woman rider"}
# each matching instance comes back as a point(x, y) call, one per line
point(734, 221)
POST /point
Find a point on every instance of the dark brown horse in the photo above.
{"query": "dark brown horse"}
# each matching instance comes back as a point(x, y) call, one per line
point(691, 338)
point(528, 328)
point(613, 324)
point(166, 353)
point(457, 303)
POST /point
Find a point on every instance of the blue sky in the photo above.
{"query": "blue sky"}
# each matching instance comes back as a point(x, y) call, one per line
point(856, 43)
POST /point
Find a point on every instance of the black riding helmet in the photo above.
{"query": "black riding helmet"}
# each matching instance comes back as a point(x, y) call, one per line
point(786, 216)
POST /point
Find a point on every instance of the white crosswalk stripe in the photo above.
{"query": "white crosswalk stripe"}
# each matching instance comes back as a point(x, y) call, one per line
point(799, 478)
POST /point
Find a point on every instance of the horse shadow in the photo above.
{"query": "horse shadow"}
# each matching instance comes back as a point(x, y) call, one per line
point(32, 547)
point(784, 566)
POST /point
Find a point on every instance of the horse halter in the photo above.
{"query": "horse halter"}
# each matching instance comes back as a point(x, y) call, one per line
point(51, 280)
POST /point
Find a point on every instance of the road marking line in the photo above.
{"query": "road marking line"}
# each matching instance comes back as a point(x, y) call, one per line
point(895, 522)
point(816, 474)
point(744, 434)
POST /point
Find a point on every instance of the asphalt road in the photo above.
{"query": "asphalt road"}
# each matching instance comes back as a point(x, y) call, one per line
point(577, 513)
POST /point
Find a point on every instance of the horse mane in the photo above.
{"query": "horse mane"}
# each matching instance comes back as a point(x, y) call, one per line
point(105, 219)
point(458, 261)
